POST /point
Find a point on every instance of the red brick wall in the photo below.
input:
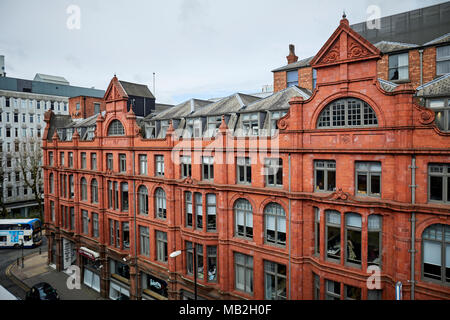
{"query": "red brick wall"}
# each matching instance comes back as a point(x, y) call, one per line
point(428, 65)
point(86, 106)
point(279, 81)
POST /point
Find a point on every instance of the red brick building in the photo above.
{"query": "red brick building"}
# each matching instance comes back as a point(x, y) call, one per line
point(295, 196)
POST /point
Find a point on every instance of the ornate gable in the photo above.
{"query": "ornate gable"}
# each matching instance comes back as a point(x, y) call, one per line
point(345, 45)
point(115, 91)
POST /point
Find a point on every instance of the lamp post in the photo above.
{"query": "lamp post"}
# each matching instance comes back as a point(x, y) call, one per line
point(22, 244)
point(177, 253)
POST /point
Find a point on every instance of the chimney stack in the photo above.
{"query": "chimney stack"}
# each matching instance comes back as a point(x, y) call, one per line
point(291, 58)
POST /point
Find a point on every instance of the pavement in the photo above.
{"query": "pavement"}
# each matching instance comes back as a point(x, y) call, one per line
point(35, 270)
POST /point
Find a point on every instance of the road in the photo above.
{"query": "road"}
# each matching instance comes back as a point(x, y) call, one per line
point(9, 256)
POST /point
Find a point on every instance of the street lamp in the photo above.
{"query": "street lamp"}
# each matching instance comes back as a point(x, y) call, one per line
point(176, 254)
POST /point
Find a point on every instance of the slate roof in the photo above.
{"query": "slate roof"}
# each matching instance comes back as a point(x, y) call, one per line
point(389, 46)
point(295, 65)
point(436, 88)
point(180, 110)
point(58, 121)
point(136, 89)
point(387, 85)
point(441, 39)
point(230, 104)
point(278, 100)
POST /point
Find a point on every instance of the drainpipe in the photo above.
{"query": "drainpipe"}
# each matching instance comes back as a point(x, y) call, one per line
point(421, 66)
point(289, 286)
point(413, 224)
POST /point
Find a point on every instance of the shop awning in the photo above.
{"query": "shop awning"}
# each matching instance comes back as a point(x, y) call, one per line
point(88, 253)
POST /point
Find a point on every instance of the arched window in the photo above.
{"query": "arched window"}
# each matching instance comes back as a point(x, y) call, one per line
point(347, 112)
point(94, 191)
point(116, 128)
point(243, 217)
point(50, 183)
point(275, 224)
point(143, 200)
point(160, 203)
point(83, 185)
point(436, 253)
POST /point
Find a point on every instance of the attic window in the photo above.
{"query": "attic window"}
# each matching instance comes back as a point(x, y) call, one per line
point(116, 128)
point(292, 78)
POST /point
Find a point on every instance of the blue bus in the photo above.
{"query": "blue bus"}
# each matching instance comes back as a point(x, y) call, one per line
point(15, 232)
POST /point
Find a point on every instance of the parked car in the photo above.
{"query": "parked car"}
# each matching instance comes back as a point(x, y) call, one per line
point(42, 291)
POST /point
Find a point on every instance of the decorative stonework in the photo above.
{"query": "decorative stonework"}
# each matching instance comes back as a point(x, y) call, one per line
point(339, 195)
point(332, 55)
point(355, 50)
point(426, 116)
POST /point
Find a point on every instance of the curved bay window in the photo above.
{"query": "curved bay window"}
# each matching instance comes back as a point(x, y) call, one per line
point(374, 228)
point(116, 128)
point(353, 231)
point(333, 234)
point(347, 112)
point(243, 217)
point(160, 203)
point(143, 200)
point(275, 224)
point(436, 253)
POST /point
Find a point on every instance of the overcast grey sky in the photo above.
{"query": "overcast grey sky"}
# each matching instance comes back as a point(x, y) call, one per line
point(197, 48)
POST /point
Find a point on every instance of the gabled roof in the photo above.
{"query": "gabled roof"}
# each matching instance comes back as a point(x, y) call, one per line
point(227, 105)
point(181, 110)
point(136, 89)
point(279, 100)
point(357, 48)
point(436, 88)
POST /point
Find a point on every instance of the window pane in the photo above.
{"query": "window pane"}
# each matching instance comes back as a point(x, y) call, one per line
point(333, 242)
point(375, 184)
point(362, 183)
point(436, 188)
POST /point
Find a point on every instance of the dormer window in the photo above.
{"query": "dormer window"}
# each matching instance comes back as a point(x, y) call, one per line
point(116, 128)
point(442, 60)
point(276, 115)
point(194, 128)
point(213, 125)
point(250, 125)
point(347, 112)
point(150, 130)
point(164, 127)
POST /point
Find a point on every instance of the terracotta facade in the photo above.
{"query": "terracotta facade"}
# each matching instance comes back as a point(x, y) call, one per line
point(347, 66)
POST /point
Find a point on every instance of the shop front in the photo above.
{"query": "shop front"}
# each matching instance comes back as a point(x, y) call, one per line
point(119, 282)
point(153, 288)
point(91, 268)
